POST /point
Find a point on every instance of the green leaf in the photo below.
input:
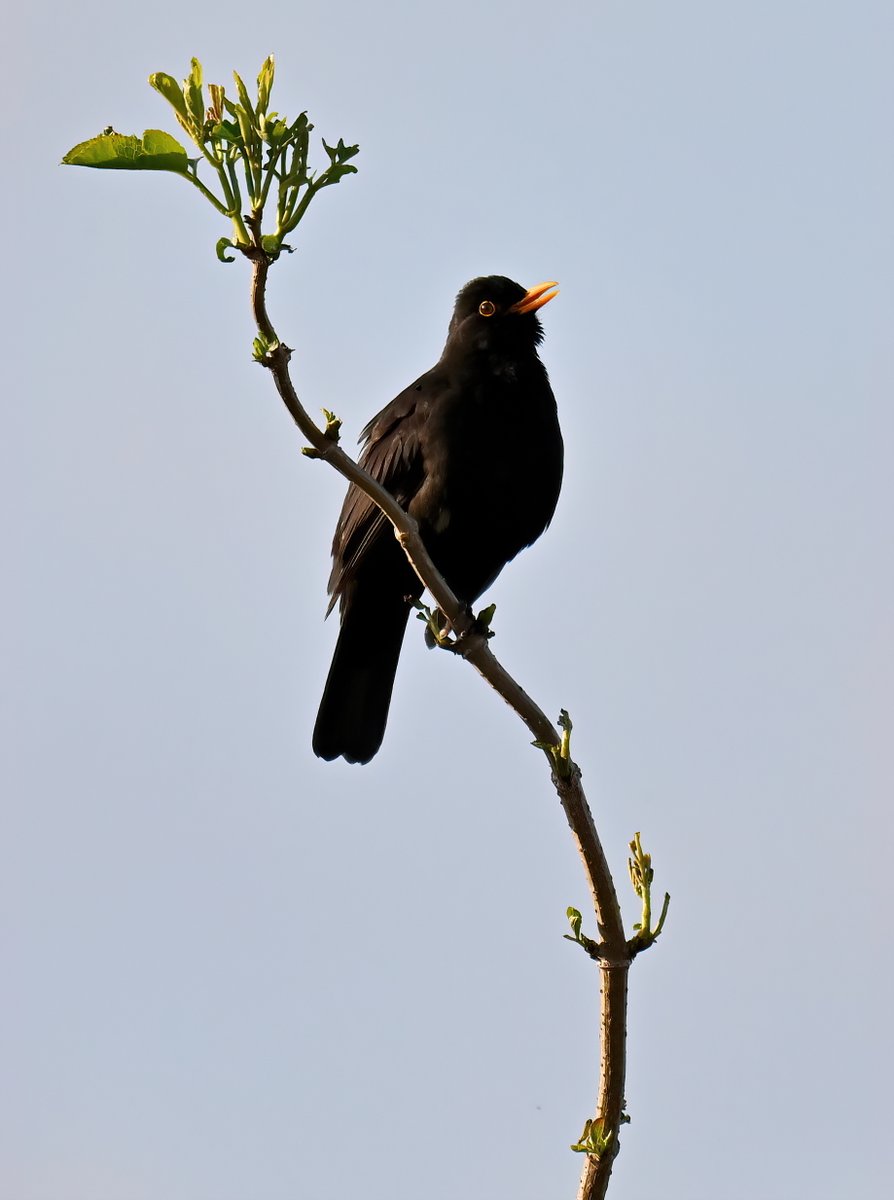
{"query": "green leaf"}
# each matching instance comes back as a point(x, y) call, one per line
point(261, 347)
point(333, 174)
point(192, 94)
point(155, 151)
point(338, 157)
point(333, 425)
point(223, 245)
point(275, 132)
point(575, 920)
point(340, 153)
point(217, 100)
point(243, 96)
point(265, 84)
point(227, 131)
point(246, 129)
point(167, 86)
point(486, 615)
point(300, 127)
point(595, 1139)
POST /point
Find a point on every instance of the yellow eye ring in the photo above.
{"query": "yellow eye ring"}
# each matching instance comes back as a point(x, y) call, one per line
point(486, 308)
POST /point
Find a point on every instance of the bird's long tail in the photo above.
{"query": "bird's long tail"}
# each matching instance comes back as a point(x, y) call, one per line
point(354, 709)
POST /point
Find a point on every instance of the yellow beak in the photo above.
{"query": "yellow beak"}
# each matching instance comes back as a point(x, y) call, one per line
point(535, 298)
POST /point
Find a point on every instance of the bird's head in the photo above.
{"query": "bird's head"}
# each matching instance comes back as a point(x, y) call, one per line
point(493, 312)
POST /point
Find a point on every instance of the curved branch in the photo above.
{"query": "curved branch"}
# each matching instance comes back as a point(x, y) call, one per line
point(612, 952)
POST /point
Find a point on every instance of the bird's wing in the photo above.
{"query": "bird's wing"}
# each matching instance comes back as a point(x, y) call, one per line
point(392, 455)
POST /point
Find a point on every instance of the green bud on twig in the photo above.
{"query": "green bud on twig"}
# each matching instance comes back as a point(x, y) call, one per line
point(484, 618)
point(596, 1138)
point(575, 920)
point(262, 347)
point(560, 754)
point(639, 867)
point(333, 425)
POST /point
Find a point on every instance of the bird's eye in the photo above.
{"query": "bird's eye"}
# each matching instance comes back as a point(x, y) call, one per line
point(486, 308)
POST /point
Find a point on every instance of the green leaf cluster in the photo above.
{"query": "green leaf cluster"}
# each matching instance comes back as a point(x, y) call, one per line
point(575, 920)
point(595, 1139)
point(639, 867)
point(256, 156)
point(437, 627)
point(560, 755)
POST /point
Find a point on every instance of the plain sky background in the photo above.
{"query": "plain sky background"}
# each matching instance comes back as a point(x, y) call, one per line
point(232, 972)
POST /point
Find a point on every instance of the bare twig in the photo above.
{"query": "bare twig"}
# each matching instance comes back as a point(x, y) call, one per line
point(612, 951)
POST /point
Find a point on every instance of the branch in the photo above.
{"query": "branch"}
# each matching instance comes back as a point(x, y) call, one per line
point(612, 952)
point(226, 133)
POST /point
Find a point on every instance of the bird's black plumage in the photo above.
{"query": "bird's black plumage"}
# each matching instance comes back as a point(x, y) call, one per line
point(473, 451)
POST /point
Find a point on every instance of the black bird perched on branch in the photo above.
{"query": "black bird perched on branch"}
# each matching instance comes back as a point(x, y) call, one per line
point(473, 451)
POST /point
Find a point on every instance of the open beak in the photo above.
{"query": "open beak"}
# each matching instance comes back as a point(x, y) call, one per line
point(535, 298)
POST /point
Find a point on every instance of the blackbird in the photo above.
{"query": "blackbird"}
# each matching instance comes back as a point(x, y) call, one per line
point(473, 451)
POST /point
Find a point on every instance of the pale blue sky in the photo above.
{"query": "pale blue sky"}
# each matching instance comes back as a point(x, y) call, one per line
point(236, 973)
